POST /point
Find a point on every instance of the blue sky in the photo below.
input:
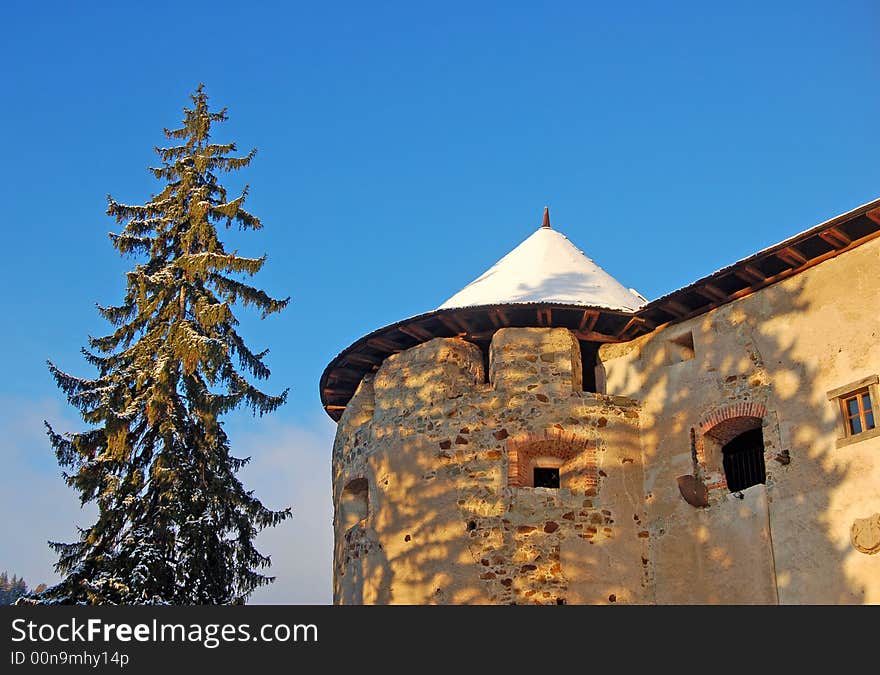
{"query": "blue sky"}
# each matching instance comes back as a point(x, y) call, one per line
point(403, 149)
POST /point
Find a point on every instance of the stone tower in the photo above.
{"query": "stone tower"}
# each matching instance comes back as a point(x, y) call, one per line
point(477, 461)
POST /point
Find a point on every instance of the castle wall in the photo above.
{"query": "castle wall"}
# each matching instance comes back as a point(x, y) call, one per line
point(774, 355)
point(447, 458)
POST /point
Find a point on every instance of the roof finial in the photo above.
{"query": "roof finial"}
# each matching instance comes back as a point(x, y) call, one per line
point(546, 222)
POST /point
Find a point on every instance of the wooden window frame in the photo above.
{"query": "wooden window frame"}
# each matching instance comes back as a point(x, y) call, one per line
point(856, 390)
point(861, 413)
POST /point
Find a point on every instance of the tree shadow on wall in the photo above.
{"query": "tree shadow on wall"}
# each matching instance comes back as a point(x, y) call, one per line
point(776, 350)
point(413, 547)
point(432, 446)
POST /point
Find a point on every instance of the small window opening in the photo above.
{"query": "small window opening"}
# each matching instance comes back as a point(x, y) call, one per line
point(589, 365)
point(858, 412)
point(680, 348)
point(546, 477)
point(354, 503)
point(744, 460)
point(484, 349)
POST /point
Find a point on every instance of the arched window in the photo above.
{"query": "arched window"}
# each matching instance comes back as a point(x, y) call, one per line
point(354, 503)
point(730, 446)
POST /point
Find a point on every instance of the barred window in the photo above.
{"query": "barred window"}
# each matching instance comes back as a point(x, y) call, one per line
point(743, 459)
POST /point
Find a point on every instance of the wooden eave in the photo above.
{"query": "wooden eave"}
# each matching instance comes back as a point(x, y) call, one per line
point(781, 261)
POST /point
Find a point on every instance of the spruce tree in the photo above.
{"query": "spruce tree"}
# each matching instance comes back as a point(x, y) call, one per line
point(174, 525)
point(11, 589)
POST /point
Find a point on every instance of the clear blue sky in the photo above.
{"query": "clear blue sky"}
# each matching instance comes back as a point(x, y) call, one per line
point(403, 149)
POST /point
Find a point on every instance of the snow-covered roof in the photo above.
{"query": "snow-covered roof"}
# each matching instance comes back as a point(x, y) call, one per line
point(546, 267)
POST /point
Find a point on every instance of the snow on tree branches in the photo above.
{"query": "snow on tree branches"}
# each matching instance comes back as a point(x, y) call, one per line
point(174, 525)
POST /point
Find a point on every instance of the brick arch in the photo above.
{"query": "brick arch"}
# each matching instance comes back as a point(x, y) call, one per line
point(552, 442)
point(743, 409)
point(716, 428)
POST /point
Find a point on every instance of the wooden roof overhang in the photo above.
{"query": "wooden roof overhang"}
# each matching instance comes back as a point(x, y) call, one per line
point(596, 324)
point(773, 264)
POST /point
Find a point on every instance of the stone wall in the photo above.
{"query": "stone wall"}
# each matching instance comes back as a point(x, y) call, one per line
point(446, 457)
point(774, 356)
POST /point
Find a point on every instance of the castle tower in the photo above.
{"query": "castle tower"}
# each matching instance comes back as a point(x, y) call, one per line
point(477, 457)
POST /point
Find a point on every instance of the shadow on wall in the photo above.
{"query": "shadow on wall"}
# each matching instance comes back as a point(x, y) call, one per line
point(385, 440)
point(429, 439)
point(772, 354)
point(448, 521)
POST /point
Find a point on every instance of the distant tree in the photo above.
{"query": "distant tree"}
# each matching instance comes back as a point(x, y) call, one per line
point(174, 525)
point(11, 589)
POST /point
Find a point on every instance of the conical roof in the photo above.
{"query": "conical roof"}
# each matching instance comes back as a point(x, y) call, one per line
point(546, 267)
